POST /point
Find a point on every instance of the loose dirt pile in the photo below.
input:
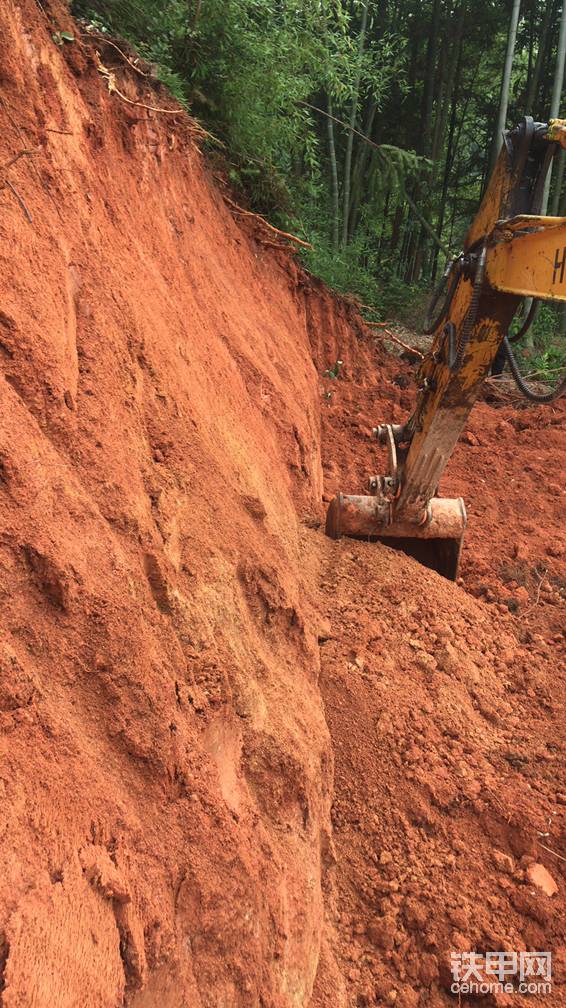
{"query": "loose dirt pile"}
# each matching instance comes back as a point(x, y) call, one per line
point(185, 659)
point(447, 785)
point(446, 715)
point(509, 467)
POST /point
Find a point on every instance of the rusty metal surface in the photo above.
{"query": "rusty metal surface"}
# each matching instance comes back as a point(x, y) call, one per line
point(509, 253)
point(365, 516)
point(557, 131)
point(436, 543)
point(533, 263)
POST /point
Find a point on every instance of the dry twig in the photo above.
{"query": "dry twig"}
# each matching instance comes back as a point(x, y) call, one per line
point(533, 374)
point(273, 244)
point(248, 213)
point(387, 334)
point(33, 167)
point(5, 183)
point(544, 847)
point(20, 200)
point(16, 157)
point(107, 41)
point(368, 307)
point(542, 579)
point(111, 84)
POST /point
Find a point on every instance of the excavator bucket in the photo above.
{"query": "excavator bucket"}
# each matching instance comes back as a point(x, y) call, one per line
point(510, 252)
point(436, 543)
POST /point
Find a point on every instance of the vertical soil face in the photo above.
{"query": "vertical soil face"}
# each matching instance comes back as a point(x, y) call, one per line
point(241, 765)
point(166, 763)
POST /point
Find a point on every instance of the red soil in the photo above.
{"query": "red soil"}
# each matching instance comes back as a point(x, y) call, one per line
point(509, 467)
point(446, 713)
point(185, 659)
point(166, 762)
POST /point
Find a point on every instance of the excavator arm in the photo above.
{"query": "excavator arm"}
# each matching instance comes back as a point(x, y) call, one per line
point(510, 253)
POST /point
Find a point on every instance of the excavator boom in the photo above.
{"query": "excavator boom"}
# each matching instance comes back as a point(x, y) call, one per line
point(510, 253)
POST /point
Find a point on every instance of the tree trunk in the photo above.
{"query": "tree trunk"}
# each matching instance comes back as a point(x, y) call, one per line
point(397, 225)
point(353, 114)
point(426, 138)
point(333, 176)
point(426, 225)
point(358, 175)
point(556, 95)
point(440, 119)
point(449, 157)
point(454, 205)
point(554, 111)
point(405, 242)
point(505, 84)
point(449, 104)
point(384, 216)
point(196, 15)
point(559, 182)
point(534, 81)
point(428, 89)
point(531, 51)
point(451, 86)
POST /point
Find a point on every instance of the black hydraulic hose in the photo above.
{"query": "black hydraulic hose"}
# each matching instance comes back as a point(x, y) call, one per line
point(470, 319)
point(431, 324)
point(451, 349)
point(536, 397)
point(456, 357)
point(531, 316)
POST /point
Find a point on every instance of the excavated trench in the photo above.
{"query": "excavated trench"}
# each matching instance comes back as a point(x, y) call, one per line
point(242, 765)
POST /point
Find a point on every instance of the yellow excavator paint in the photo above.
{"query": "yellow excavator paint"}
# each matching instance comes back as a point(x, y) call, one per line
point(510, 252)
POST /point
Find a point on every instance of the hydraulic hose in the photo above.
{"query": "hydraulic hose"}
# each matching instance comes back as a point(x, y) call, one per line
point(531, 316)
point(451, 274)
point(470, 319)
point(536, 397)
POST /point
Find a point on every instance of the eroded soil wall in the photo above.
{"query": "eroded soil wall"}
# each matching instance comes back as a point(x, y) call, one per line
point(166, 764)
point(242, 765)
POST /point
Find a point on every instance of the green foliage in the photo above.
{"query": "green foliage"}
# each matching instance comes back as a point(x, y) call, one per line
point(545, 328)
point(335, 371)
point(422, 82)
point(256, 72)
point(60, 37)
point(543, 350)
point(548, 364)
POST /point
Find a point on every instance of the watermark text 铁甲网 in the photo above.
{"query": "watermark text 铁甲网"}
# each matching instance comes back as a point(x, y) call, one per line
point(478, 973)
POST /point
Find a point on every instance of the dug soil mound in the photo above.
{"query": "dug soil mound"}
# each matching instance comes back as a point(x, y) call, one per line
point(446, 715)
point(447, 781)
point(508, 466)
point(446, 711)
point(242, 765)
